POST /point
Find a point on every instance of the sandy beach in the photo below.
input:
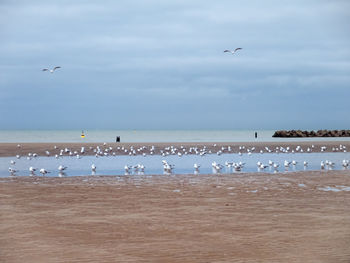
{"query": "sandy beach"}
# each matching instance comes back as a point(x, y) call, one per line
point(174, 131)
point(284, 217)
point(12, 149)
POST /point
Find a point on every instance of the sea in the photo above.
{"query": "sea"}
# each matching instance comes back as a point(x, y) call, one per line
point(130, 136)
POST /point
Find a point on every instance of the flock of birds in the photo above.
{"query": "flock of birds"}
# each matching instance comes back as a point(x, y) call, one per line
point(180, 151)
point(171, 150)
point(275, 166)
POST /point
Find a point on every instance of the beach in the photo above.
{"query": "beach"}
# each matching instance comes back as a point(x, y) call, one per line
point(250, 217)
point(12, 149)
point(174, 131)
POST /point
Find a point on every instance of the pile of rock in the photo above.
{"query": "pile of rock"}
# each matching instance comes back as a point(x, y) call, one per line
point(319, 133)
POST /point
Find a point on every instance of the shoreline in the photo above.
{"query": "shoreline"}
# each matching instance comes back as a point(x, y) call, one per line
point(168, 179)
point(11, 149)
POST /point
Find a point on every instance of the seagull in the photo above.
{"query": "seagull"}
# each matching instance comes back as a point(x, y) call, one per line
point(141, 169)
point(238, 167)
point(286, 163)
point(127, 169)
point(322, 165)
point(12, 171)
point(136, 168)
point(167, 167)
point(216, 167)
point(32, 170)
point(50, 70)
point(234, 51)
point(62, 168)
point(196, 168)
point(262, 167)
point(43, 171)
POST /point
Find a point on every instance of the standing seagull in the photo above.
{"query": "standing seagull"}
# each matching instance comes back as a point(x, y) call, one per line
point(51, 70)
point(234, 51)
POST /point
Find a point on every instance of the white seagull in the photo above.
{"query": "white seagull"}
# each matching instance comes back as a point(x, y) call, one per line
point(234, 51)
point(51, 70)
point(61, 168)
point(43, 171)
point(32, 170)
point(127, 169)
point(196, 168)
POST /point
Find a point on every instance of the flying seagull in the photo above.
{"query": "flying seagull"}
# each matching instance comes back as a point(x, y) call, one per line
point(51, 70)
point(234, 51)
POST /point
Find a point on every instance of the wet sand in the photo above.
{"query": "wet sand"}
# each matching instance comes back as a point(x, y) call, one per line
point(11, 149)
point(286, 217)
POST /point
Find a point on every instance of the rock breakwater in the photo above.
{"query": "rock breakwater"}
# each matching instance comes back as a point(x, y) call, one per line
point(319, 133)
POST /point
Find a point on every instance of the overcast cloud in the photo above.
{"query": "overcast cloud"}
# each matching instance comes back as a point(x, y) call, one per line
point(160, 64)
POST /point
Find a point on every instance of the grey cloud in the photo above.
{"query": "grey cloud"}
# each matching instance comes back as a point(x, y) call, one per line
point(146, 60)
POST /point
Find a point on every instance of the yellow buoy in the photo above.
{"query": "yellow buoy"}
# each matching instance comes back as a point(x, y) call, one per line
point(82, 134)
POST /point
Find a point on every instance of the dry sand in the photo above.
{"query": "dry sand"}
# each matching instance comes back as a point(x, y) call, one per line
point(283, 217)
point(11, 149)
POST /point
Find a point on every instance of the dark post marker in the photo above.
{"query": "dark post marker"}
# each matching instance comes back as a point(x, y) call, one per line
point(256, 135)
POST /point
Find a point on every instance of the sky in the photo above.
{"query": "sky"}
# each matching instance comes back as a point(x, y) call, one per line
point(160, 64)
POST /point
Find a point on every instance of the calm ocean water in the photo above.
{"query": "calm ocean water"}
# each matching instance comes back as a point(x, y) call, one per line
point(146, 136)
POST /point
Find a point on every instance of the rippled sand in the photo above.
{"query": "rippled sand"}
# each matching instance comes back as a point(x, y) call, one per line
point(289, 217)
